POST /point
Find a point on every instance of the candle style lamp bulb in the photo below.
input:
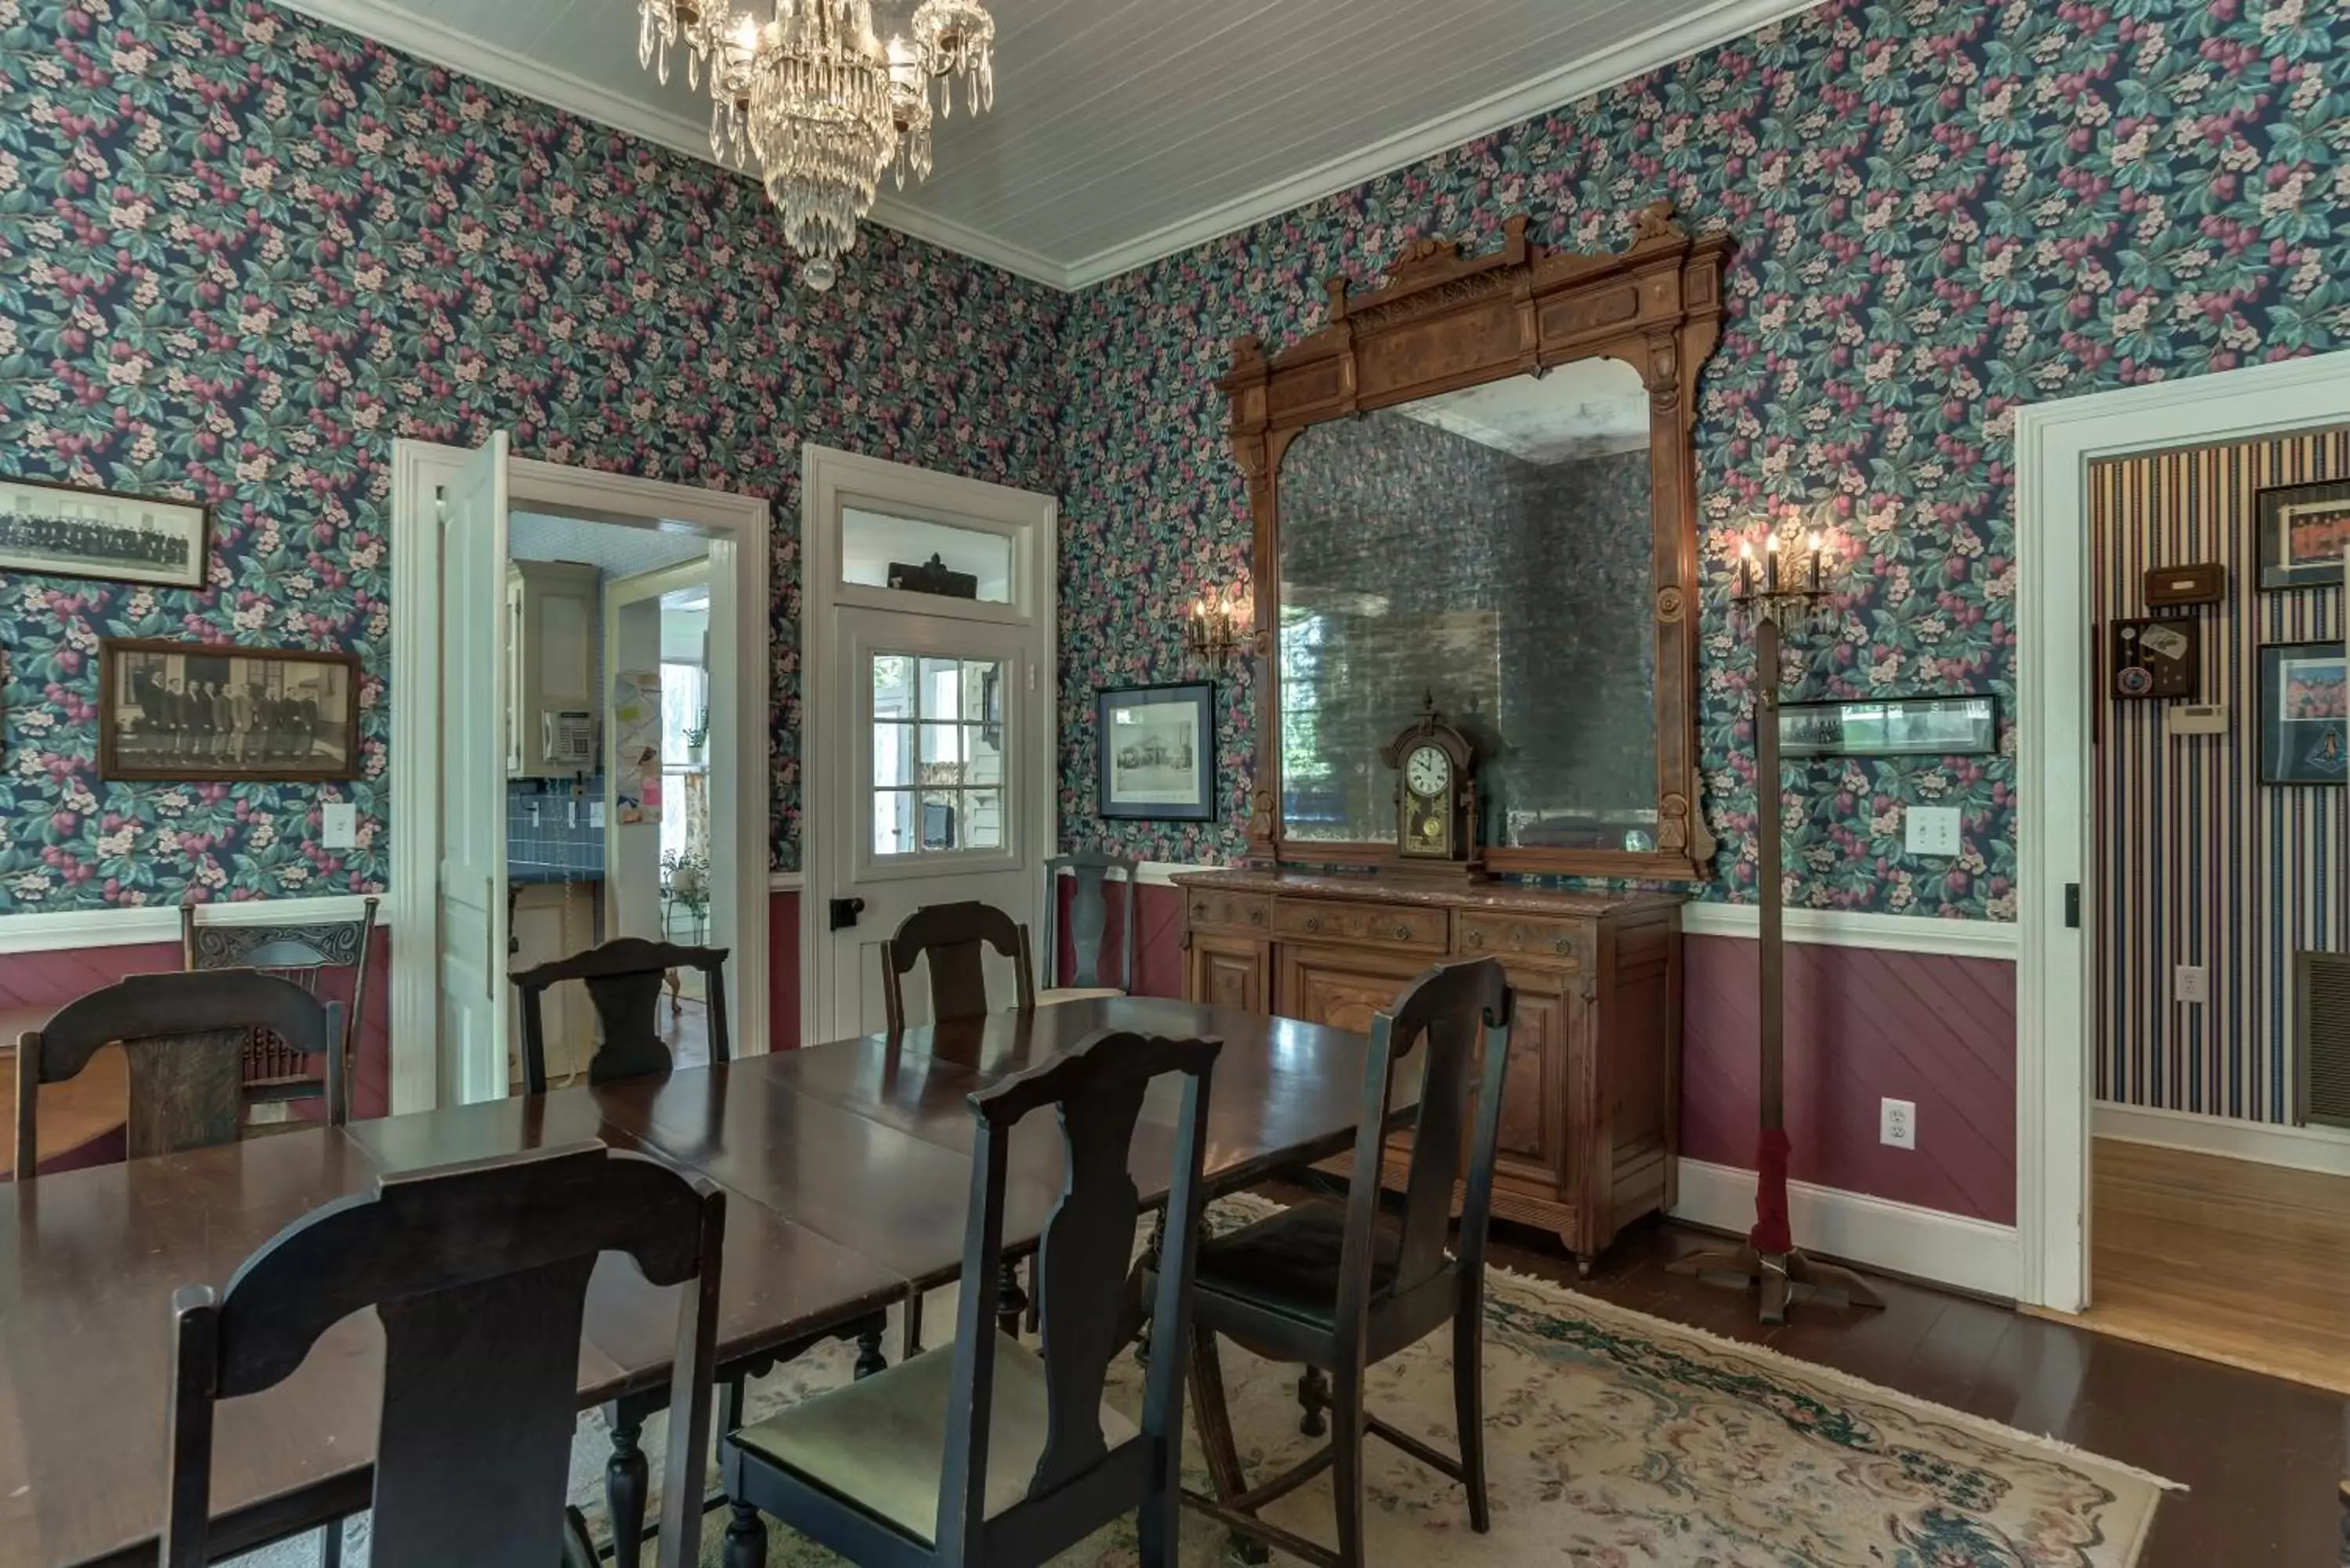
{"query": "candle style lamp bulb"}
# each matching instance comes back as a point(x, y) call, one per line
point(1745, 567)
point(1770, 565)
point(1815, 560)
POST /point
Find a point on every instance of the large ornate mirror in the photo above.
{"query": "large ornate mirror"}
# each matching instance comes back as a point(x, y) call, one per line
point(1477, 485)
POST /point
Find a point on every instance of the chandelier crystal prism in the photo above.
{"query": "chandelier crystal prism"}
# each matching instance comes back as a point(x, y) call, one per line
point(809, 94)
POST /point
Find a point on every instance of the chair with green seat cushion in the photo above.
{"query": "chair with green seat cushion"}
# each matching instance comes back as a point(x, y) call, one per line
point(984, 1451)
point(1338, 1290)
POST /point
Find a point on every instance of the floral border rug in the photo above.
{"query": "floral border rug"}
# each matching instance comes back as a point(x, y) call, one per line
point(1612, 1438)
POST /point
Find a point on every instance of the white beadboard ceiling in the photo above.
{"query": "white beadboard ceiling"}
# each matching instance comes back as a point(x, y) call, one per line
point(1125, 130)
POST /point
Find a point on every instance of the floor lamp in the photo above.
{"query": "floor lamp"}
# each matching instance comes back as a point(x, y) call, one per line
point(1769, 1259)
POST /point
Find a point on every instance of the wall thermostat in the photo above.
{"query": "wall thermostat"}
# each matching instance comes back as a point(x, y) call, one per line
point(2195, 719)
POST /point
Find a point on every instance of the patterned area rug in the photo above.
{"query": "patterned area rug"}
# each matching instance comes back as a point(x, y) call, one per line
point(1612, 1437)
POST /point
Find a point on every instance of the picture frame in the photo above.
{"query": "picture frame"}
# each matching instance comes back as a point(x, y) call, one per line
point(2304, 713)
point(199, 711)
point(1961, 725)
point(1157, 752)
point(2302, 531)
point(109, 536)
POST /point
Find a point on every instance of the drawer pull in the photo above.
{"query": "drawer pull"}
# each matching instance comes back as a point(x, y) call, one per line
point(1476, 938)
point(1561, 946)
point(1403, 933)
point(1256, 917)
point(1313, 922)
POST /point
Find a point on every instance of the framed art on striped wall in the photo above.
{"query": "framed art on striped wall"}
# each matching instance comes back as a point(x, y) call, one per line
point(2304, 698)
point(2303, 530)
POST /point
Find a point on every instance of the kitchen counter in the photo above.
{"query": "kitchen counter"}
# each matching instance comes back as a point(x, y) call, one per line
point(540, 873)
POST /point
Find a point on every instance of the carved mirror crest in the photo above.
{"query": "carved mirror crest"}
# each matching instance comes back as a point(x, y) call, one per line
point(1479, 480)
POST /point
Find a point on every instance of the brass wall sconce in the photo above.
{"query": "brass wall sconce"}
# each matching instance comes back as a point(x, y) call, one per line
point(1218, 627)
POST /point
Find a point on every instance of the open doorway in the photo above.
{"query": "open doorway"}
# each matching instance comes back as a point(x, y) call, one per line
point(528, 802)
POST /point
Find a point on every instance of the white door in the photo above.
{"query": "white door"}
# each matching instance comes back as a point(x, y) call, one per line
point(930, 744)
point(472, 883)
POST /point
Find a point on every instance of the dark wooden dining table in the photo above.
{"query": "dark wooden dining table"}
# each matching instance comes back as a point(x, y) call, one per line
point(847, 1168)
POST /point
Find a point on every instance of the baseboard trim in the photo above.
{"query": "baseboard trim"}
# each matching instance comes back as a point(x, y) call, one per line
point(2326, 1150)
point(137, 926)
point(1925, 1244)
point(1852, 929)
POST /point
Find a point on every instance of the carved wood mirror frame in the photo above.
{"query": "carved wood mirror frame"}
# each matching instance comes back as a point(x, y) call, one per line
point(1441, 321)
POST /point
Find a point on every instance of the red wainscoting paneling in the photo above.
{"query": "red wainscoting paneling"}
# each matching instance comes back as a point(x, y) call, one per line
point(784, 972)
point(1158, 961)
point(54, 978)
point(1863, 1024)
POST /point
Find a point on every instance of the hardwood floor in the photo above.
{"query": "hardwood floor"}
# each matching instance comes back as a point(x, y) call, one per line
point(2263, 1458)
point(2244, 1263)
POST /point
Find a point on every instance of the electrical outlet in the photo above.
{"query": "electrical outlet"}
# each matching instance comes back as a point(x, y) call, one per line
point(340, 825)
point(595, 814)
point(1896, 1123)
point(2192, 982)
point(571, 812)
point(1931, 829)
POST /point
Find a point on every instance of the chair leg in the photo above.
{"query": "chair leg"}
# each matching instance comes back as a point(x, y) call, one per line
point(745, 1545)
point(1347, 1464)
point(1214, 1419)
point(330, 1546)
point(911, 1345)
point(1469, 1405)
point(625, 1483)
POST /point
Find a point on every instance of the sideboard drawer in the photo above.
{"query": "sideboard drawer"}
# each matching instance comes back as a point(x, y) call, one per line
point(1211, 909)
point(1376, 925)
point(1526, 937)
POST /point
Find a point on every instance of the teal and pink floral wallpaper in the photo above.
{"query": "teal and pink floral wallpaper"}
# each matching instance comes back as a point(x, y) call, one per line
point(1943, 209)
point(241, 252)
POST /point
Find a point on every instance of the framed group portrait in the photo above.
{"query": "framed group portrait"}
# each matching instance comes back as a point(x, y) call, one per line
point(174, 712)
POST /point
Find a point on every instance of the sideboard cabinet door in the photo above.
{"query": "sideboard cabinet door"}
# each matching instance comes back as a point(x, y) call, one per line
point(1228, 971)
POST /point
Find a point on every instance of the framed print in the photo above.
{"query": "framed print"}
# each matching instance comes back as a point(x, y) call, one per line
point(179, 710)
point(65, 531)
point(1966, 725)
point(2304, 713)
point(2303, 530)
point(1158, 746)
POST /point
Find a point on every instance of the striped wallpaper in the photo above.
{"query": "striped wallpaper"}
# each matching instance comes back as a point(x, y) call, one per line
point(2198, 861)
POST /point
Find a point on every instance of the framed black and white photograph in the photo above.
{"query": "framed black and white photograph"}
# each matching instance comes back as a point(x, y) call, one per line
point(2304, 713)
point(60, 530)
point(180, 711)
point(1158, 751)
point(2302, 530)
point(1958, 726)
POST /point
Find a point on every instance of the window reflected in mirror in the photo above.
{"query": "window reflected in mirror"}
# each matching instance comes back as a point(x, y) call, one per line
point(1493, 547)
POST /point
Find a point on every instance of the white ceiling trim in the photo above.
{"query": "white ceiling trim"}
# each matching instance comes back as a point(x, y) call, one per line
point(1661, 45)
point(429, 40)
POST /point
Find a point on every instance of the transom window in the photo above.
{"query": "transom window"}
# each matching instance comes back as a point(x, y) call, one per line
point(937, 754)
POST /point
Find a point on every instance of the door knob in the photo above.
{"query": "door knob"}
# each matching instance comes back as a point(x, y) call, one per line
point(844, 912)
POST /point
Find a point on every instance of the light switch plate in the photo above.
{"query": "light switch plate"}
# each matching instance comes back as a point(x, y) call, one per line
point(1931, 829)
point(2192, 982)
point(595, 814)
point(1896, 1123)
point(339, 826)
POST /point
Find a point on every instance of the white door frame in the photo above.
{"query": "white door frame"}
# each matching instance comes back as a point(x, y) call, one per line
point(828, 477)
point(2056, 1020)
point(619, 593)
point(737, 525)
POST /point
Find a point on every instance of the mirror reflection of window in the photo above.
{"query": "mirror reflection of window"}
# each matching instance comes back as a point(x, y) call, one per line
point(1493, 547)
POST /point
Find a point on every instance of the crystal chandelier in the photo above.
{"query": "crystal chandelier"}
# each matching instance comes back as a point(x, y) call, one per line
point(808, 92)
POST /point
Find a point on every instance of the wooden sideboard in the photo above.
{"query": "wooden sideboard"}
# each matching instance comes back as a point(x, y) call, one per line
point(1591, 1106)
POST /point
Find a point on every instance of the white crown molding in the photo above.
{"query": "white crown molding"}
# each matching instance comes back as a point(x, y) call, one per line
point(1851, 928)
point(2326, 1150)
point(1659, 46)
point(1918, 1243)
point(127, 926)
point(426, 39)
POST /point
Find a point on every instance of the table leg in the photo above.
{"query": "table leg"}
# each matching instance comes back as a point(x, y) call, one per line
point(625, 1483)
point(1010, 1301)
point(745, 1545)
point(1138, 1304)
point(869, 1359)
point(1312, 1398)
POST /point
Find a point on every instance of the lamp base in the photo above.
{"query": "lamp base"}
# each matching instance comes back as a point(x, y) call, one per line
point(1783, 1278)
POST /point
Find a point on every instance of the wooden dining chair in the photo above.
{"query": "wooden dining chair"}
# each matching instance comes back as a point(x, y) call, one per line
point(954, 936)
point(478, 1274)
point(184, 1038)
point(983, 1451)
point(1089, 901)
point(624, 979)
point(303, 951)
point(1339, 1290)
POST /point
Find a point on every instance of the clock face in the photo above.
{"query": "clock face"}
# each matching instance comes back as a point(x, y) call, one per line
point(1426, 773)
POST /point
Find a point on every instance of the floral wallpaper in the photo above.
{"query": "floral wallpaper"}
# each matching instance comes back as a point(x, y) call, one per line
point(241, 252)
point(1942, 209)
